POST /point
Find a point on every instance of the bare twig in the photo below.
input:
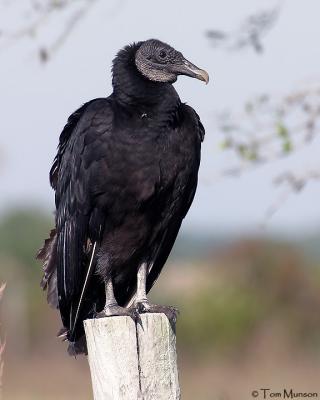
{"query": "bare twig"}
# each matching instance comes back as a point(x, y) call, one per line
point(2, 344)
point(2, 287)
point(249, 34)
point(40, 12)
point(74, 20)
point(268, 130)
point(293, 184)
point(296, 182)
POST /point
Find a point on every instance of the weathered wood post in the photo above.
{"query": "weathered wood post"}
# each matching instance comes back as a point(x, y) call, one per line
point(129, 361)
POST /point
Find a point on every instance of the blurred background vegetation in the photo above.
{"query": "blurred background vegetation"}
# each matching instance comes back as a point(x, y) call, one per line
point(249, 298)
point(248, 306)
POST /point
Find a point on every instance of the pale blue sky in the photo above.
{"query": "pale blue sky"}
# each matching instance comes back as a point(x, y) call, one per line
point(36, 100)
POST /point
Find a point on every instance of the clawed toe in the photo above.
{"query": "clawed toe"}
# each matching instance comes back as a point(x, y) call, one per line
point(170, 312)
point(117, 311)
point(140, 308)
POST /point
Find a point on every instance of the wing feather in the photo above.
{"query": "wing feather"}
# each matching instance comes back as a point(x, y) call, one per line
point(78, 220)
point(181, 204)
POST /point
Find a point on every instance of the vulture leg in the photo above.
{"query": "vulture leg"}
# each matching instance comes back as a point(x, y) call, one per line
point(141, 296)
point(141, 302)
point(112, 308)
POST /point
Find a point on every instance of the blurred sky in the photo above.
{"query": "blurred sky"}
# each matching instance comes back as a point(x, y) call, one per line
point(36, 99)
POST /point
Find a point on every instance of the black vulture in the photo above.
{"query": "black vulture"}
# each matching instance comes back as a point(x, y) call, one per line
point(124, 176)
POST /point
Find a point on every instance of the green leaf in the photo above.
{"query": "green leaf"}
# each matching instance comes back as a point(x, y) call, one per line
point(247, 153)
point(225, 144)
point(287, 146)
point(282, 130)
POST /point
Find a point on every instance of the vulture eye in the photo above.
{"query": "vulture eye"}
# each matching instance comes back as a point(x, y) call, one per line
point(163, 54)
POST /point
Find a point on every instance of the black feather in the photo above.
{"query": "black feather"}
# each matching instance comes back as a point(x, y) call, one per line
point(124, 177)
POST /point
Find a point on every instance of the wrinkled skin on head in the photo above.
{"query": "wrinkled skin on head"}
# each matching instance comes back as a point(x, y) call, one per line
point(159, 62)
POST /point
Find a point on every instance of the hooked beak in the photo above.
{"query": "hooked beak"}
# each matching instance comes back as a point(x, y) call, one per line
point(189, 69)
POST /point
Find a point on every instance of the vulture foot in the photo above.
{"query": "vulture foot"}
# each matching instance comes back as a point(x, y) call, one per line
point(113, 311)
point(170, 312)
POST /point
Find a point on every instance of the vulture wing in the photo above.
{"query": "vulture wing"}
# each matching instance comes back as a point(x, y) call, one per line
point(180, 207)
point(79, 222)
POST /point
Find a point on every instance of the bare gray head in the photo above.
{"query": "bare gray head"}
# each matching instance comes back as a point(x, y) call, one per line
point(159, 62)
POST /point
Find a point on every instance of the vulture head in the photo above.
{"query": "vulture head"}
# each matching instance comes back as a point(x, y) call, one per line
point(159, 62)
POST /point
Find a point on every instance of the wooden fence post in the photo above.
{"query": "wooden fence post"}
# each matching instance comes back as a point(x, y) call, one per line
point(130, 361)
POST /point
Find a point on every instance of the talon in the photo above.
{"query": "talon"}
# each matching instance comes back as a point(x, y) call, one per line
point(117, 311)
point(134, 315)
point(142, 306)
point(170, 312)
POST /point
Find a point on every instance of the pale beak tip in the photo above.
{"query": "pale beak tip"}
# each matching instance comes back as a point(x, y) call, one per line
point(203, 76)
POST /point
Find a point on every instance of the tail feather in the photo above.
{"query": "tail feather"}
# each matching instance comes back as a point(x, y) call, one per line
point(89, 272)
point(48, 255)
point(78, 347)
point(91, 299)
